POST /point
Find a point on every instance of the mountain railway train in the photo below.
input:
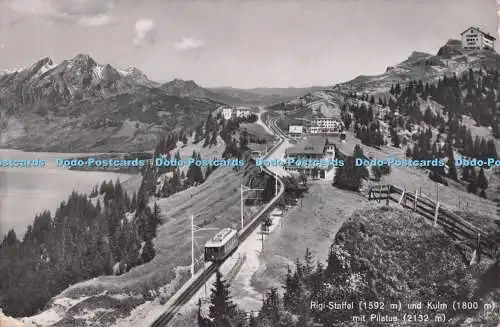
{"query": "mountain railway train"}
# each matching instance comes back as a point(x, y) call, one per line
point(221, 245)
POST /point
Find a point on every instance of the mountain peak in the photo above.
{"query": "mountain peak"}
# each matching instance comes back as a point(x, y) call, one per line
point(182, 81)
point(182, 84)
point(451, 48)
point(84, 58)
point(46, 61)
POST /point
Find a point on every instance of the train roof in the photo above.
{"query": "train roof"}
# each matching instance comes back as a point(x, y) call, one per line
point(221, 237)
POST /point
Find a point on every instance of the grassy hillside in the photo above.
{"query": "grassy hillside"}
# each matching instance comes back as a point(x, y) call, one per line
point(101, 301)
point(401, 257)
point(414, 179)
point(312, 224)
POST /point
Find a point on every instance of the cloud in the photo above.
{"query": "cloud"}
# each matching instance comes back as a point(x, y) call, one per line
point(98, 20)
point(145, 32)
point(84, 12)
point(188, 44)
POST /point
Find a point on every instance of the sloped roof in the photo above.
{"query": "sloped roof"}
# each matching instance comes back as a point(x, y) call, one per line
point(311, 145)
point(257, 147)
point(478, 30)
point(221, 237)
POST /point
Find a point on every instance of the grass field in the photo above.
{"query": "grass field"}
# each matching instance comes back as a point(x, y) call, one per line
point(257, 131)
point(401, 256)
point(325, 208)
point(311, 225)
point(414, 179)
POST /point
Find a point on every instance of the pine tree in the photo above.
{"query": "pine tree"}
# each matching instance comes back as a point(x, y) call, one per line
point(452, 170)
point(148, 252)
point(409, 152)
point(308, 263)
point(270, 312)
point(288, 288)
point(472, 187)
point(98, 205)
point(347, 176)
point(482, 182)
point(221, 305)
point(213, 140)
point(207, 141)
point(491, 149)
point(397, 89)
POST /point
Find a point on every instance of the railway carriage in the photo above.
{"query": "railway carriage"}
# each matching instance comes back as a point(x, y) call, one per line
point(221, 245)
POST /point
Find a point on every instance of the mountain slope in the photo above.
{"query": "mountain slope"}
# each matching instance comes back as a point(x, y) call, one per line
point(450, 59)
point(80, 105)
point(264, 96)
point(183, 88)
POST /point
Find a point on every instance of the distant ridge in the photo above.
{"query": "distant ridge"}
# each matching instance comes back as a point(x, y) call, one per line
point(80, 105)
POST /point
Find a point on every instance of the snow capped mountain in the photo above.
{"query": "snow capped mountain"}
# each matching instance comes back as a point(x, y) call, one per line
point(134, 74)
point(75, 79)
point(54, 106)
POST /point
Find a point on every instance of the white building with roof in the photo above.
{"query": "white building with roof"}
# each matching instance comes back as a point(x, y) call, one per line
point(227, 113)
point(325, 126)
point(295, 130)
point(238, 112)
point(475, 39)
point(314, 148)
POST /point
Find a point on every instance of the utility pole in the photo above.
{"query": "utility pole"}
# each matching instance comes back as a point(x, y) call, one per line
point(192, 245)
point(437, 193)
point(243, 189)
point(241, 206)
point(275, 184)
point(194, 229)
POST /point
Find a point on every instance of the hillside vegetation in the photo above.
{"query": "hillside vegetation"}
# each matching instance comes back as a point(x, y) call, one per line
point(382, 256)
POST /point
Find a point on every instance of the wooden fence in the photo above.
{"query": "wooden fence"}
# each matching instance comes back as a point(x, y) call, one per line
point(459, 229)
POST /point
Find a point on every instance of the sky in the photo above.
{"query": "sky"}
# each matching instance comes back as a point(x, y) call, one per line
point(245, 44)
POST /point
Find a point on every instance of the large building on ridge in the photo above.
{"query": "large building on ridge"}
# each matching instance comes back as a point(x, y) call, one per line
point(475, 39)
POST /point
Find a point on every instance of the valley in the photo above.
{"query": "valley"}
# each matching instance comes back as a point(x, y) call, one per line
point(135, 246)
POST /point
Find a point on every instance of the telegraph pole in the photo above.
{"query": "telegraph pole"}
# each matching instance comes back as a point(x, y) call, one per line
point(275, 184)
point(243, 189)
point(437, 192)
point(194, 229)
point(241, 205)
point(192, 245)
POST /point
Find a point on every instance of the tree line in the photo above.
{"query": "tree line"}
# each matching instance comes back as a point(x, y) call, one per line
point(85, 238)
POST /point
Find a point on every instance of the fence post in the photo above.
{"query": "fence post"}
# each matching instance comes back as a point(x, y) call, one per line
point(402, 197)
point(478, 248)
point(415, 203)
point(436, 214)
point(379, 193)
point(388, 194)
point(370, 193)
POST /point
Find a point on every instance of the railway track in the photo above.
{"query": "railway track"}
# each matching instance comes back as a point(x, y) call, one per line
point(189, 290)
point(184, 297)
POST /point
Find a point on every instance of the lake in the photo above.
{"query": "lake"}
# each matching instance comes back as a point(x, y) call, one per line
point(25, 192)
